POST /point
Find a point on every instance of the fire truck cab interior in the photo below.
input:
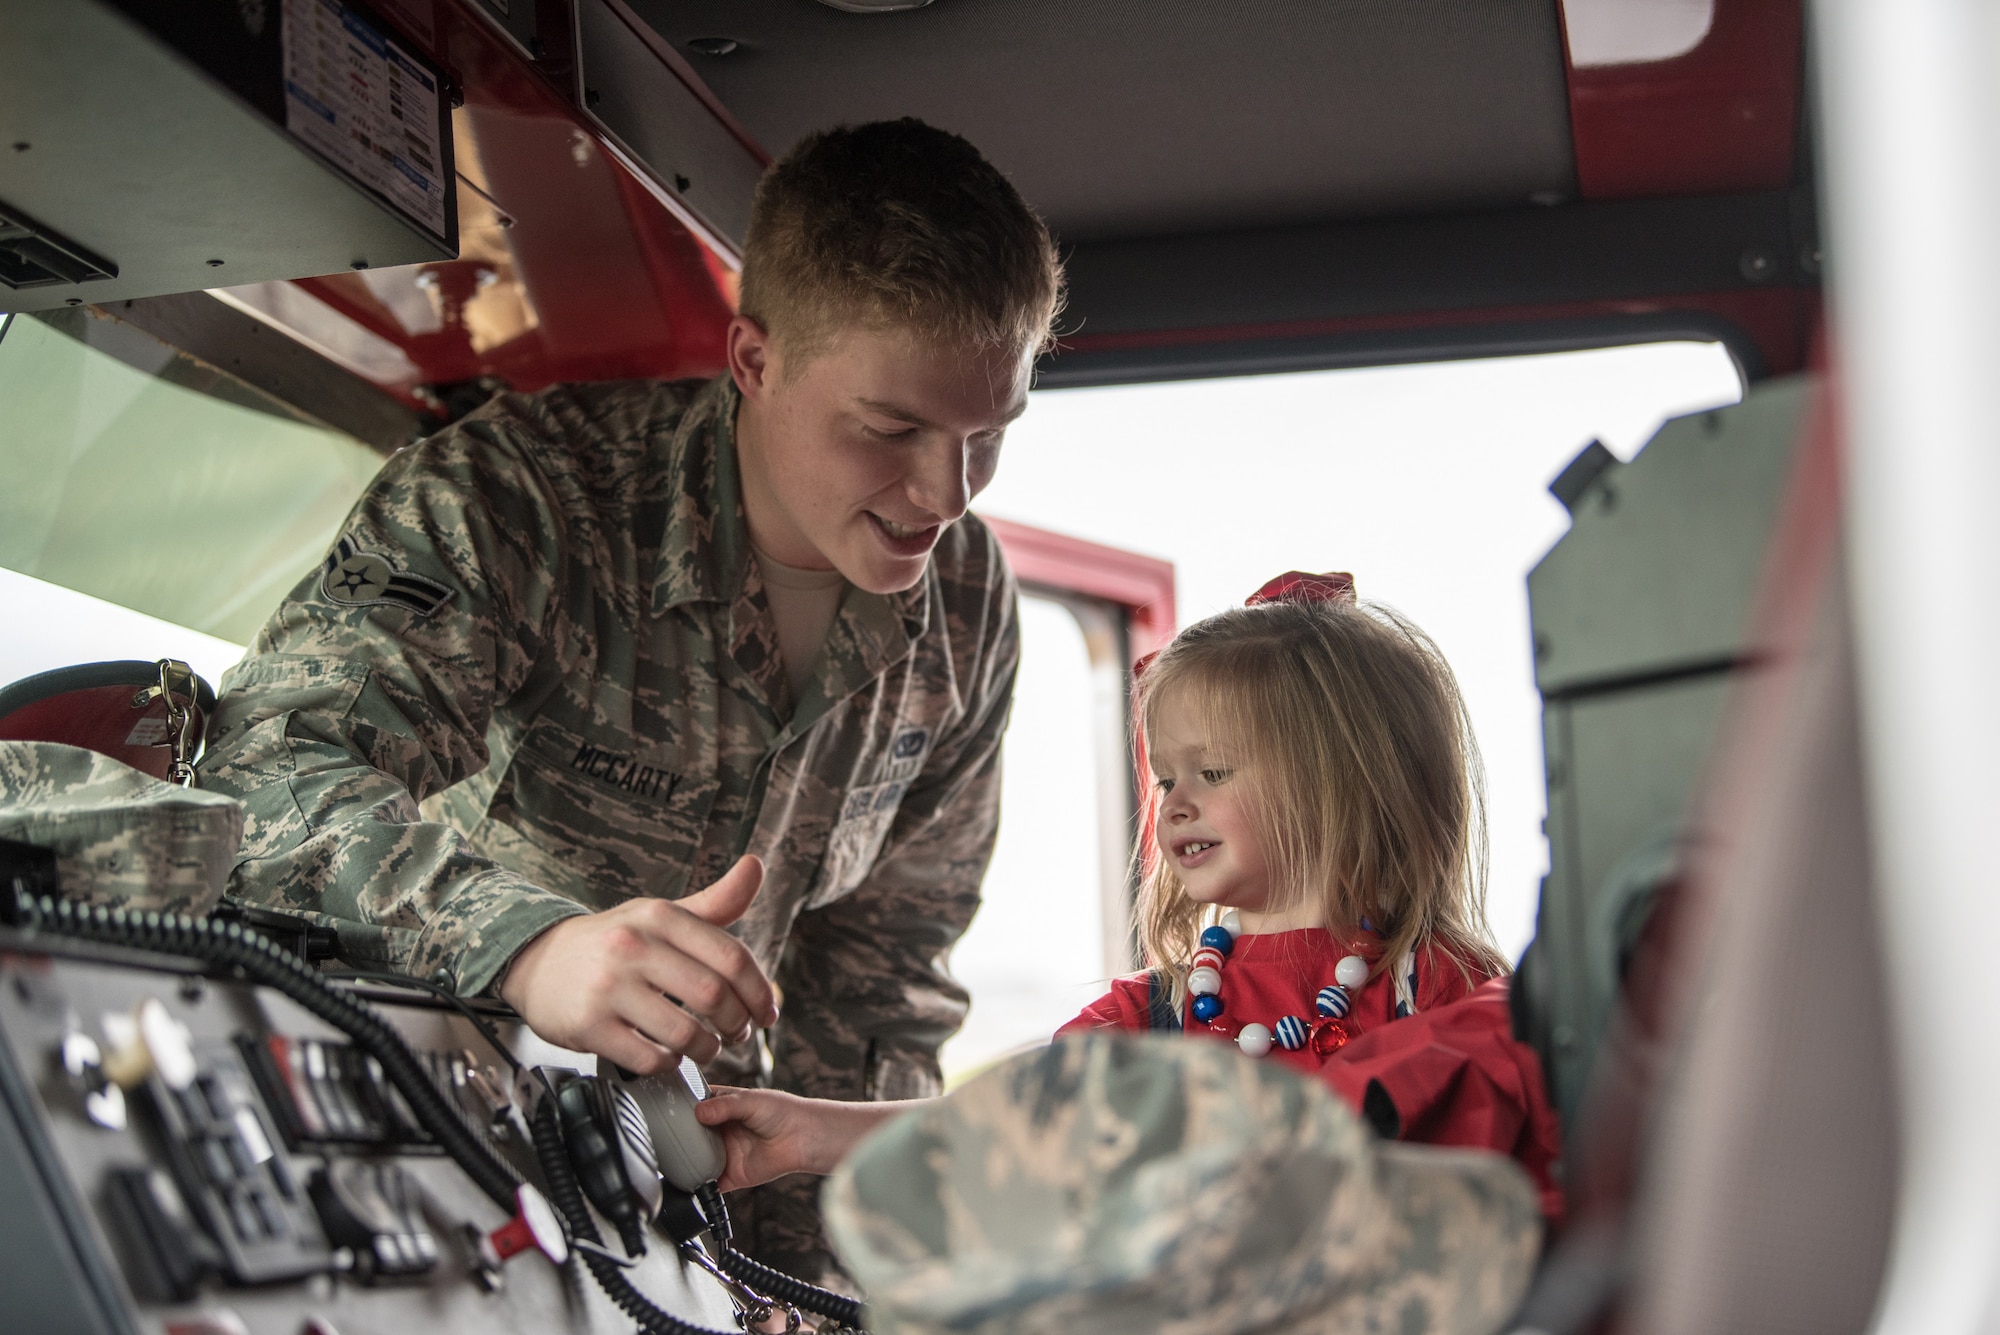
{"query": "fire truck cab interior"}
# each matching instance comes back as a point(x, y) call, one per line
point(558, 190)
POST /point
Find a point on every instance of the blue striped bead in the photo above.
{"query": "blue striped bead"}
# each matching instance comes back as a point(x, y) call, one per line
point(1218, 938)
point(1291, 1033)
point(1332, 1001)
point(1207, 1008)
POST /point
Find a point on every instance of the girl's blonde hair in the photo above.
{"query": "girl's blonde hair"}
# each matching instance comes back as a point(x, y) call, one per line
point(1346, 724)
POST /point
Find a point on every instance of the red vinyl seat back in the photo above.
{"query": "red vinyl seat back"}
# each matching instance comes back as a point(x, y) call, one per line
point(114, 709)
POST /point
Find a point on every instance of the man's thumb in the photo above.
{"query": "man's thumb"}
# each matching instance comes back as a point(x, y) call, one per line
point(725, 901)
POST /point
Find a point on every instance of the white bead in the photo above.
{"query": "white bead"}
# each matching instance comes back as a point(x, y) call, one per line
point(1255, 1040)
point(1352, 971)
point(1208, 957)
point(1204, 982)
point(1232, 922)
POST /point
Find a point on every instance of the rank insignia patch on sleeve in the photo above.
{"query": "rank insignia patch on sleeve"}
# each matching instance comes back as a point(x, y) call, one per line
point(355, 578)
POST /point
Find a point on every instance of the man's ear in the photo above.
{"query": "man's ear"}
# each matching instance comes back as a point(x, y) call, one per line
point(752, 360)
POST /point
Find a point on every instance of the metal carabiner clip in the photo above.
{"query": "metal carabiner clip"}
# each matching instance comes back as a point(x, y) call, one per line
point(753, 1309)
point(176, 687)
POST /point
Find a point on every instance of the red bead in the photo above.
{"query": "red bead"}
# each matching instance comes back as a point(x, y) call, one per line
point(1328, 1037)
point(1207, 957)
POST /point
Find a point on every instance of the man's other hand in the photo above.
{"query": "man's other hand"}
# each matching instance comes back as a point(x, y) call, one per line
point(648, 981)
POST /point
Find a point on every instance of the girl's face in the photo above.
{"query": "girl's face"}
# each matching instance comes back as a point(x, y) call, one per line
point(1205, 826)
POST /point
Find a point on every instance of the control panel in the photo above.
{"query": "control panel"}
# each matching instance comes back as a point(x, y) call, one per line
point(190, 1155)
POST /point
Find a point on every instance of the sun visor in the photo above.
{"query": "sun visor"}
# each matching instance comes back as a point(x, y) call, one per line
point(148, 149)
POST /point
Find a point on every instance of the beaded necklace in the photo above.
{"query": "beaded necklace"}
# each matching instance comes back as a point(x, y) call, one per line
point(1325, 1033)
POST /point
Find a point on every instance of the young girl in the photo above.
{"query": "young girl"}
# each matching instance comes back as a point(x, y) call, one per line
point(1314, 892)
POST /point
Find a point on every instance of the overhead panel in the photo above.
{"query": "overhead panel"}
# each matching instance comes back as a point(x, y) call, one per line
point(1146, 117)
point(697, 165)
point(149, 149)
point(1414, 289)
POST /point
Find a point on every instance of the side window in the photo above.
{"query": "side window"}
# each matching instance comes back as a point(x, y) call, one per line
point(1035, 955)
point(150, 505)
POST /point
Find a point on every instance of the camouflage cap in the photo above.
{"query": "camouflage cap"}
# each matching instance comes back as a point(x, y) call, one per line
point(121, 838)
point(1125, 1183)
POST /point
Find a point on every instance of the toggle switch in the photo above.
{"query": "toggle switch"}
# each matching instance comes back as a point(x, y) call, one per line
point(83, 1062)
point(148, 1042)
point(534, 1225)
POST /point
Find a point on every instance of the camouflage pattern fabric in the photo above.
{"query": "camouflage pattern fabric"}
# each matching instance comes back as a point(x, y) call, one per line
point(537, 676)
point(121, 838)
point(1118, 1183)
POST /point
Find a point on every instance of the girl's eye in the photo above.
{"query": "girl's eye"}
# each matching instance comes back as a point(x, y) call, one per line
point(1214, 775)
point(888, 433)
point(1164, 785)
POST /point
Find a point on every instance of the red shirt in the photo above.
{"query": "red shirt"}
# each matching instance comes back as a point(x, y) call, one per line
point(1453, 1071)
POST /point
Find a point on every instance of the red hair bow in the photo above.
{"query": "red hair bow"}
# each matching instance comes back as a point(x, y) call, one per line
point(1296, 586)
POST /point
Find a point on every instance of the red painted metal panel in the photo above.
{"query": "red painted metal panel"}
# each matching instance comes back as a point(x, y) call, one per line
point(592, 277)
point(1142, 585)
point(1723, 117)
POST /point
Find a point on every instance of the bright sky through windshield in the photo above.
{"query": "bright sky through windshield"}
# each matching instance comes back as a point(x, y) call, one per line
point(1428, 482)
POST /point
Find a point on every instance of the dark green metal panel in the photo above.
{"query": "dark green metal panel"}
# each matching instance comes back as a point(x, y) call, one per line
point(1639, 618)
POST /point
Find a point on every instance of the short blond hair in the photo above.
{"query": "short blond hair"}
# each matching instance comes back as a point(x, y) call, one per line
point(896, 224)
point(1347, 725)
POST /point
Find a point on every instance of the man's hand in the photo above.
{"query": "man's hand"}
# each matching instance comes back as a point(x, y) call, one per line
point(767, 1134)
point(648, 981)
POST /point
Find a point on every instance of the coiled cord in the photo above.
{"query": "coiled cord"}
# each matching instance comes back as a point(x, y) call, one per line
point(567, 1196)
point(777, 1284)
point(232, 946)
point(255, 957)
point(235, 947)
point(755, 1274)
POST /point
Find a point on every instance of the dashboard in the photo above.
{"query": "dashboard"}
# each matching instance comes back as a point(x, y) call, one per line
point(189, 1153)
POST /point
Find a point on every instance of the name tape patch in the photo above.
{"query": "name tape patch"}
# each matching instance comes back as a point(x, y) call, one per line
point(355, 578)
point(624, 773)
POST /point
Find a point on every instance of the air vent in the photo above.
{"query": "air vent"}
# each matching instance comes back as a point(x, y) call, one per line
point(33, 256)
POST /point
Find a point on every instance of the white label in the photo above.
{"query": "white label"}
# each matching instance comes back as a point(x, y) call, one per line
point(356, 95)
point(147, 732)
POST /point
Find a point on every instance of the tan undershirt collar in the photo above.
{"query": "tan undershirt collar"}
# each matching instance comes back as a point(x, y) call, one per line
point(803, 605)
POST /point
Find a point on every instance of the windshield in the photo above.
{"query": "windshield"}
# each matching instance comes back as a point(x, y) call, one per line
point(161, 486)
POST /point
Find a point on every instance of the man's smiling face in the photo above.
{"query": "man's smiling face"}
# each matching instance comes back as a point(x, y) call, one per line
point(859, 459)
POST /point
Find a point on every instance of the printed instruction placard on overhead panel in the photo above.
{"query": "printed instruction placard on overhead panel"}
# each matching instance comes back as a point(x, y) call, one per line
point(354, 94)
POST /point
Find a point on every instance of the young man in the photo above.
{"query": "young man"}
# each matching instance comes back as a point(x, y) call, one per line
point(600, 672)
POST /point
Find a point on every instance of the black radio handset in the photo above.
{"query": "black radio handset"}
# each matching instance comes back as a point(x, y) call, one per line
point(623, 1131)
point(611, 1153)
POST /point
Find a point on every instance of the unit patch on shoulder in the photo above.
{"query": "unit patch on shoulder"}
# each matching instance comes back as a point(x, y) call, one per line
point(355, 578)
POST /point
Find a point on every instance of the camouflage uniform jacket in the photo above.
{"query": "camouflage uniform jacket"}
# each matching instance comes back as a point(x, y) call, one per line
point(537, 676)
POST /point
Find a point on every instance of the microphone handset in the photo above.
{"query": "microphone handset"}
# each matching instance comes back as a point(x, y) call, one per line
point(635, 1148)
point(690, 1155)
